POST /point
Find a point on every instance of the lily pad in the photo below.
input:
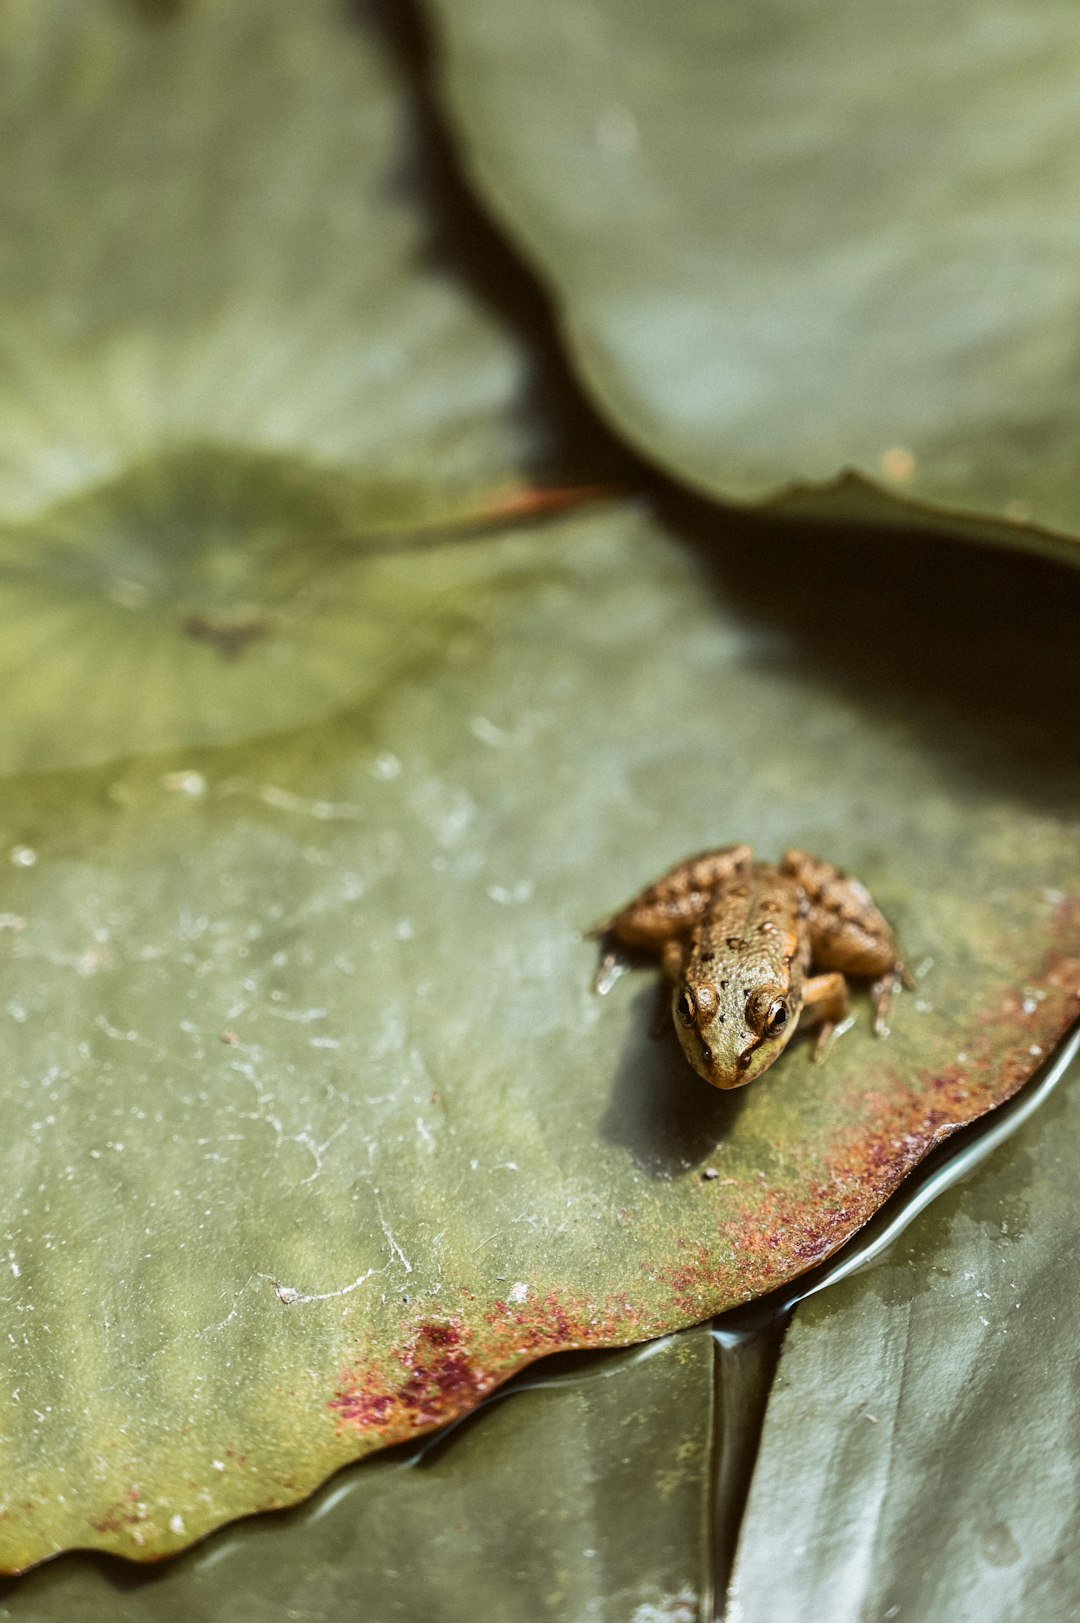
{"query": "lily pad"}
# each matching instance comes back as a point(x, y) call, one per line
point(930, 1405)
point(795, 243)
point(315, 1131)
point(237, 594)
point(231, 360)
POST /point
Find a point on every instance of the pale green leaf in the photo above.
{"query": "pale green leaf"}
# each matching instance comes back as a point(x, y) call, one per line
point(230, 357)
point(793, 242)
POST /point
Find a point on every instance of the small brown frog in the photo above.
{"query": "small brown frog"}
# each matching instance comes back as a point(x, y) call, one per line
point(748, 949)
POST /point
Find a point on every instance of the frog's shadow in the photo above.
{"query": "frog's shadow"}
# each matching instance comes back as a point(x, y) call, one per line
point(664, 1114)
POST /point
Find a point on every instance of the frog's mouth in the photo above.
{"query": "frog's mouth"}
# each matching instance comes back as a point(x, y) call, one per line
point(760, 1048)
point(756, 1057)
point(747, 1065)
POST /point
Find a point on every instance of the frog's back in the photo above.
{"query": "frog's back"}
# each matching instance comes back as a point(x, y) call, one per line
point(754, 929)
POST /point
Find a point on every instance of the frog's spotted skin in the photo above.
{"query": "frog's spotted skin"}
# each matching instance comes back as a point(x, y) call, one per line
point(750, 948)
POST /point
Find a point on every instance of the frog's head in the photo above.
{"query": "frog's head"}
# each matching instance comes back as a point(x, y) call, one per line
point(731, 1032)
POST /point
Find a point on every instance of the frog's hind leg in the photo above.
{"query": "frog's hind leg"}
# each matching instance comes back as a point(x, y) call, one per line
point(825, 1004)
point(847, 932)
point(670, 908)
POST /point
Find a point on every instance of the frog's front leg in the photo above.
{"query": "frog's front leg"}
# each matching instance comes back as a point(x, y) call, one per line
point(847, 932)
point(672, 963)
point(825, 1004)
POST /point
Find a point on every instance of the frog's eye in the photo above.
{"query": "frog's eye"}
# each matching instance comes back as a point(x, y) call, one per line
point(686, 1008)
point(777, 1017)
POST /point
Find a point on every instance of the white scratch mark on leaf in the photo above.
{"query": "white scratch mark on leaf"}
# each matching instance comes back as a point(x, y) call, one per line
point(300, 1017)
point(220, 1324)
point(292, 1297)
point(118, 1036)
point(395, 1249)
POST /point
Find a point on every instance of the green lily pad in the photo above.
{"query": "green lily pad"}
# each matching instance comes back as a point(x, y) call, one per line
point(236, 594)
point(232, 365)
point(314, 1128)
point(795, 243)
point(929, 1406)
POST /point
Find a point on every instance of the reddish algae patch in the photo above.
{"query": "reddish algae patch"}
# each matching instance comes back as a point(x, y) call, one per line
point(440, 1379)
point(446, 1366)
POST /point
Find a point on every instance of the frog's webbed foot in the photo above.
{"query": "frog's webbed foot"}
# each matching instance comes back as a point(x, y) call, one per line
point(672, 964)
point(661, 1019)
point(610, 964)
point(821, 1043)
point(882, 993)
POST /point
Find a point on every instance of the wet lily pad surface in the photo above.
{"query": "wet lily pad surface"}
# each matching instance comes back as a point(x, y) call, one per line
point(316, 1130)
point(790, 242)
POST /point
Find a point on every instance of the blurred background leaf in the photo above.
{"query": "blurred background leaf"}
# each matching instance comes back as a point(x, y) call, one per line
point(234, 359)
point(790, 242)
point(211, 237)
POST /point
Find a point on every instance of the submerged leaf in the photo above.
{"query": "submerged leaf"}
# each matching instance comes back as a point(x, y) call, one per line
point(790, 242)
point(314, 1130)
point(919, 1457)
